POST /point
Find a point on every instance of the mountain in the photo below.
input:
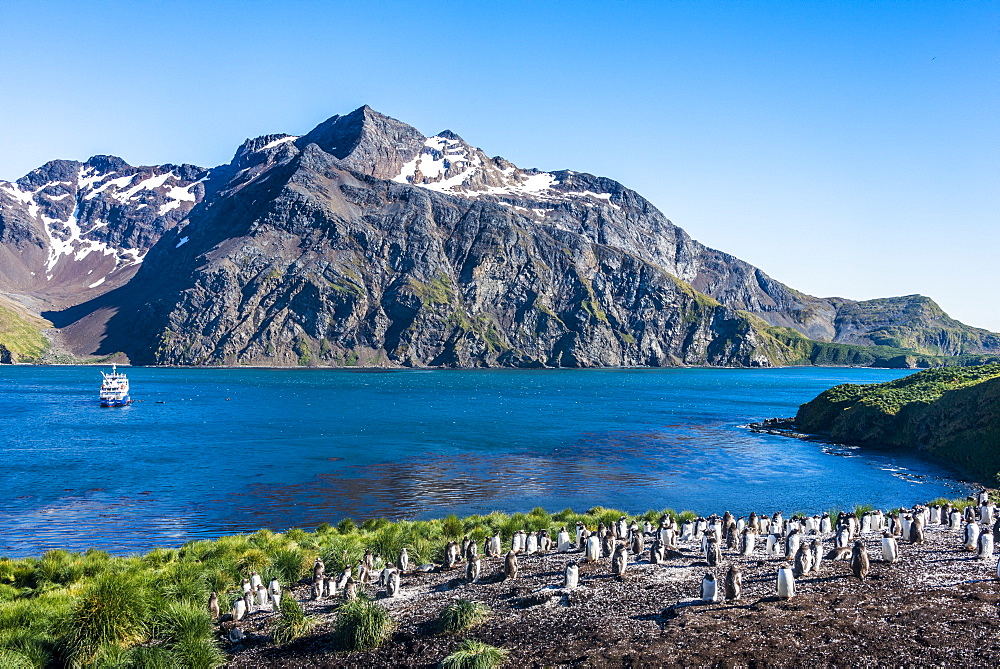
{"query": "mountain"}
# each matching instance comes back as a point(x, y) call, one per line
point(366, 242)
point(951, 414)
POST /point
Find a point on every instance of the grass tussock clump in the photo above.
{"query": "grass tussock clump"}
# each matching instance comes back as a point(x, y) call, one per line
point(294, 623)
point(462, 614)
point(363, 624)
point(111, 614)
point(472, 654)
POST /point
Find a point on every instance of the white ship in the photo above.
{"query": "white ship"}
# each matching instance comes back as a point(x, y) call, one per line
point(114, 389)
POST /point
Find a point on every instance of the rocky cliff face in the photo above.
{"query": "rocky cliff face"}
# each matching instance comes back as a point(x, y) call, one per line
point(365, 242)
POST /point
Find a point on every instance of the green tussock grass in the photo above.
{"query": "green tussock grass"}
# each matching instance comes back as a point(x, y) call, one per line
point(462, 614)
point(472, 654)
point(293, 624)
point(363, 624)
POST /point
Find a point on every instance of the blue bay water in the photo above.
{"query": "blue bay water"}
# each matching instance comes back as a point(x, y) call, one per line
point(206, 452)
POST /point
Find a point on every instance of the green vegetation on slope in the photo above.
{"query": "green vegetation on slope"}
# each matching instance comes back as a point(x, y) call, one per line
point(952, 413)
point(20, 335)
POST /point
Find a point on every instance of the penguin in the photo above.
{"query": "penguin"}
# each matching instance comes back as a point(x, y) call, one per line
point(619, 561)
point(404, 560)
point(510, 565)
point(955, 520)
point(638, 545)
point(392, 583)
point(866, 522)
point(656, 552)
point(235, 635)
point(344, 577)
point(687, 530)
point(622, 527)
point(734, 583)
point(316, 590)
point(364, 576)
point(843, 537)
point(607, 545)
point(495, 545)
point(748, 541)
point(580, 529)
point(262, 598)
point(239, 609)
point(792, 542)
point(319, 570)
point(471, 551)
point(274, 586)
point(213, 606)
point(515, 542)
point(986, 514)
point(275, 599)
point(996, 532)
point(985, 545)
point(713, 553)
point(369, 560)
point(945, 514)
point(531, 544)
point(246, 585)
point(769, 547)
point(463, 550)
point(255, 581)
point(972, 536)
point(786, 581)
point(890, 549)
point(916, 534)
point(383, 577)
point(331, 586)
point(905, 521)
point(350, 590)
point(593, 551)
point(647, 527)
point(859, 560)
point(473, 569)
point(571, 575)
point(248, 601)
point(752, 521)
point(803, 561)
point(450, 555)
point(983, 497)
point(709, 588)
point(562, 541)
point(668, 537)
point(970, 513)
point(817, 549)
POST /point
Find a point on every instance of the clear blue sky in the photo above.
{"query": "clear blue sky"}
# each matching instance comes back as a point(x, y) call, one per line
point(847, 148)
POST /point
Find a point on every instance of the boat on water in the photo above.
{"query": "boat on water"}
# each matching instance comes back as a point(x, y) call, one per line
point(114, 389)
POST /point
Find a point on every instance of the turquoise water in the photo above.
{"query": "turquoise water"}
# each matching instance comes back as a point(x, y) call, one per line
point(209, 451)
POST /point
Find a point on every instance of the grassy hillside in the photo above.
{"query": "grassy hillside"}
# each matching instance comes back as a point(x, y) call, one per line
point(951, 413)
point(20, 334)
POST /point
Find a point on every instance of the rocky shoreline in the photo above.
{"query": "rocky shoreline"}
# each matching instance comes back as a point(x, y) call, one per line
point(937, 604)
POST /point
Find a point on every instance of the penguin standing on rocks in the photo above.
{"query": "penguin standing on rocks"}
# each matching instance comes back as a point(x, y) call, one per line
point(404, 560)
point(619, 561)
point(985, 545)
point(213, 606)
point(748, 541)
point(607, 545)
point(495, 545)
point(531, 544)
point(246, 585)
point(859, 560)
point(392, 583)
point(786, 581)
point(593, 548)
point(344, 577)
point(713, 552)
point(803, 561)
point(472, 551)
point(275, 599)
point(331, 586)
point(319, 570)
point(890, 549)
point(274, 586)
point(580, 529)
point(817, 549)
point(562, 541)
point(255, 581)
point(316, 590)
point(955, 520)
point(262, 597)
point(239, 609)
point(656, 552)
point(473, 569)
point(709, 588)
point(917, 529)
point(734, 583)
point(451, 555)
point(571, 575)
point(971, 536)
point(248, 601)
point(770, 546)
point(792, 542)
point(510, 565)
point(350, 590)
point(638, 544)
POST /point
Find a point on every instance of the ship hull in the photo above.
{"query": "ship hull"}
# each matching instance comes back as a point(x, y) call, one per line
point(124, 402)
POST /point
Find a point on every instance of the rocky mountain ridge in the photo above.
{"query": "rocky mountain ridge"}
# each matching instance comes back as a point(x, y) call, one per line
point(365, 242)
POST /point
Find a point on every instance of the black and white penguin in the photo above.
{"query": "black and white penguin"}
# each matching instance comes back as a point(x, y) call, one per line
point(593, 550)
point(817, 551)
point(213, 606)
point(786, 581)
point(344, 577)
point(451, 555)
point(890, 549)
point(255, 581)
point(656, 552)
point(792, 542)
point(709, 588)
point(562, 541)
point(748, 541)
point(495, 545)
point(734, 583)
point(275, 596)
point(319, 570)
point(607, 545)
point(531, 544)
point(404, 560)
point(638, 544)
point(393, 583)
point(996, 532)
point(985, 545)
point(859, 560)
point(803, 560)
point(473, 570)
point(916, 534)
point(955, 520)
point(511, 566)
point(770, 547)
point(619, 561)
point(571, 575)
point(971, 536)
point(248, 600)
point(350, 590)
point(239, 609)
point(316, 590)
point(713, 552)
point(471, 550)
point(245, 585)
point(262, 597)
point(274, 586)
point(580, 528)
